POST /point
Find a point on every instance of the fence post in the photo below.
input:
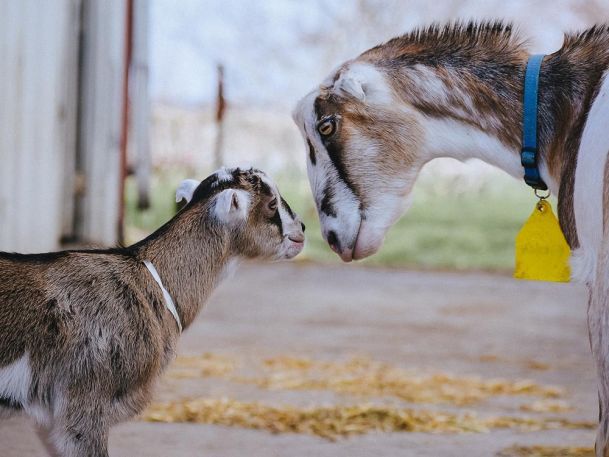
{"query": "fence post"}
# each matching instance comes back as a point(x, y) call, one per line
point(220, 110)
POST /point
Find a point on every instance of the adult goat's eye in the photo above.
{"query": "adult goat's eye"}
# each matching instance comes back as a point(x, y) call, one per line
point(327, 127)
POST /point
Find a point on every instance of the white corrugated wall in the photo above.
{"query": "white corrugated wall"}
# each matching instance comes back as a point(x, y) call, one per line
point(101, 119)
point(35, 46)
point(43, 110)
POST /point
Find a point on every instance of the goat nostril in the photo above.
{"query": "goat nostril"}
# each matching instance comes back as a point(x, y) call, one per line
point(303, 226)
point(297, 238)
point(332, 238)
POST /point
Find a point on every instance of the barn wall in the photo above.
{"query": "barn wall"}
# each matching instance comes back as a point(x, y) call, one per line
point(61, 65)
point(101, 120)
point(37, 59)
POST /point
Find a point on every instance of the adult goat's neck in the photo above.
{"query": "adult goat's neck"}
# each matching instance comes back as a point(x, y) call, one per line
point(475, 113)
point(190, 258)
point(470, 102)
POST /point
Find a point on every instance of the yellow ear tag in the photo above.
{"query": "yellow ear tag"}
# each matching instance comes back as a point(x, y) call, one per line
point(542, 253)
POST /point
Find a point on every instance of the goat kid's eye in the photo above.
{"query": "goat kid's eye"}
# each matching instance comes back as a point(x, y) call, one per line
point(273, 205)
point(327, 127)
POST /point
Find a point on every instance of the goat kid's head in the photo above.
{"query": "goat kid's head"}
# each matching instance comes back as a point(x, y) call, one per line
point(362, 147)
point(248, 205)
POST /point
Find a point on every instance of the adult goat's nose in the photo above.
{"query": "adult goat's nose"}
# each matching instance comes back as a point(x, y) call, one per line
point(333, 241)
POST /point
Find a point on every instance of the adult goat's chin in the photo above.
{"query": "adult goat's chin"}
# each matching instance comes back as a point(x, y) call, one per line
point(364, 236)
point(369, 240)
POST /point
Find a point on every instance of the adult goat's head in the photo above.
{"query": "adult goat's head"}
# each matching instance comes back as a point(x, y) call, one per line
point(362, 156)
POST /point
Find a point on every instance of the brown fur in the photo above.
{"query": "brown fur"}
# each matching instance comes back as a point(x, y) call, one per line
point(95, 324)
point(606, 201)
point(460, 55)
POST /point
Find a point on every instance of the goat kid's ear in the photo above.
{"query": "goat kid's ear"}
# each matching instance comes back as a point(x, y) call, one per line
point(232, 205)
point(186, 189)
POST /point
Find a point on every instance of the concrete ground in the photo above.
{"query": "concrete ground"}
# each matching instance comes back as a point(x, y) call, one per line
point(466, 324)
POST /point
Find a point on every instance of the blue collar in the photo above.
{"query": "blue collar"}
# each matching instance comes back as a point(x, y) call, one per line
point(528, 154)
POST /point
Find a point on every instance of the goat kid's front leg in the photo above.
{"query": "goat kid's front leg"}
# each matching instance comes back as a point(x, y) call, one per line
point(93, 443)
point(80, 433)
point(598, 328)
point(44, 434)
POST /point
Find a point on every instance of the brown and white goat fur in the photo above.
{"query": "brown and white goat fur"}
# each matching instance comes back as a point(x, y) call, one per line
point(84, 334)
point(456, 91)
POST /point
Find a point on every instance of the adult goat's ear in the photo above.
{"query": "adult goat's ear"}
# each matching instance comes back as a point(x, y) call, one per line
point(186, 189)
point(351, 84)
point(232, 205)
point(364, 82)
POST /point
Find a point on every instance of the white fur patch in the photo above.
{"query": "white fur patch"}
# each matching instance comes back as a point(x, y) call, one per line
point(451, 138)
point(583, 265)
point(431, 87)
point(15, 379)
point(430, 84)
point(269, 182)
point(186, 189)
point(588, 189)
point(224, 174)
point(286, 220)
point(40, 414)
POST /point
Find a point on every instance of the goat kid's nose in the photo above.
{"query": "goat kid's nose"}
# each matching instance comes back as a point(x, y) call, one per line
point(296, 237)
point(303, 226)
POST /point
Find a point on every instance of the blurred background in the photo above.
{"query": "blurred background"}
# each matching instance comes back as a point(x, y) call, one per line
point(106, 105)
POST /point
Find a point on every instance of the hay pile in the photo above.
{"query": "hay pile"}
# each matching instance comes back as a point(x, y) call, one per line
point(547, 406)
point(332, 422)
point(357, 377)
point(365, 377)
point(204, 365)
point(328, 422)
point(546, 451)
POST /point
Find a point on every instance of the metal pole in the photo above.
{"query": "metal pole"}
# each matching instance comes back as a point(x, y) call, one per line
point(220, 111)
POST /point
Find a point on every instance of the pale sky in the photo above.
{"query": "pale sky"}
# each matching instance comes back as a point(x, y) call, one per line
point(274, 51)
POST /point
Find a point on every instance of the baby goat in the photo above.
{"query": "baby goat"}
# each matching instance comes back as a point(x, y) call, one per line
point(84, 334)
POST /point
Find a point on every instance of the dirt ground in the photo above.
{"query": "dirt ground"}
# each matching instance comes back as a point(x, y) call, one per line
point(465, 324)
